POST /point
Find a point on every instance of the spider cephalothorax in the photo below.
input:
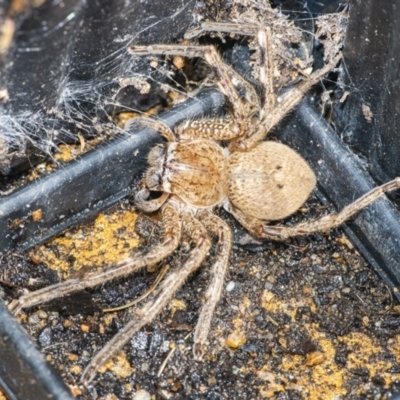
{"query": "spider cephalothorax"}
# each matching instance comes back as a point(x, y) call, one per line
point(254, 180)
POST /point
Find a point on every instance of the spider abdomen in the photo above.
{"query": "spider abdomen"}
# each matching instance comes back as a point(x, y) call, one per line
point(194, 170)
point(269, 182)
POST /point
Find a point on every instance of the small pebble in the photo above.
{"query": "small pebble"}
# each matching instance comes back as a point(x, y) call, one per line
point(75, 390)
point(318, 269)
point(268, 285)
point(235, 340)
point(141, 394)
point(75, 369)
point(119, 365)
point(128, 387)
point(165, 346)
point(315, 358)
point(179, 62)
point(144, 367)
point(140, 341)
point(73, 357)
point(33, 319)
point(37, 215)
point(235, 370)
point(230, 286)
point(45, 337)
point(68, 324)
point(42, 314)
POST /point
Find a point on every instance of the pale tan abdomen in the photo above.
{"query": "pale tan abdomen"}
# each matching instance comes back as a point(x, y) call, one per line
point(269, 182)
point(196, 172)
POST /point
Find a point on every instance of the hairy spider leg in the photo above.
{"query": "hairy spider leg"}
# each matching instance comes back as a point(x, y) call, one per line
point(161, 127)
point(220, 229)
point(172, 234)
point(270, 113)
point(264, 37)
point(227, 78)
point(225, 27)
point(206, 128)
point(198, 234)
point(279, 232)
point(285, 105)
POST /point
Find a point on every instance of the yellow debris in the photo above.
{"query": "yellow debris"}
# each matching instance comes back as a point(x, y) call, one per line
point(108, 240)
point(235, 340)
point(75, 369)
point(119, 365)
point(315, 358)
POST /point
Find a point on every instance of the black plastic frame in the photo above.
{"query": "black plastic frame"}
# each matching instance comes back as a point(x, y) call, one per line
point(103, 177)
point(342, 178)
point(24, 372)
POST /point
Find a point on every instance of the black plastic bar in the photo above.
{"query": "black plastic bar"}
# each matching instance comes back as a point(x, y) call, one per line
point(89, 184)
point(369, 120)
point(342, 179)
point(24, 373)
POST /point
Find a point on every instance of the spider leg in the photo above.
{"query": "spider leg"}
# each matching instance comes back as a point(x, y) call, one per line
point(286, 104)
point(208, 128)
point(270, 113)
point(172, 233)
point(218, 271)
point(261, 229)
point(161, 127)
point(228, 78)
point(264, 37)
point(162, 295)
point(225, 27)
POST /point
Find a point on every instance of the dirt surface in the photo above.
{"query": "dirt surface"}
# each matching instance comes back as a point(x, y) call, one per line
point(305, 319)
